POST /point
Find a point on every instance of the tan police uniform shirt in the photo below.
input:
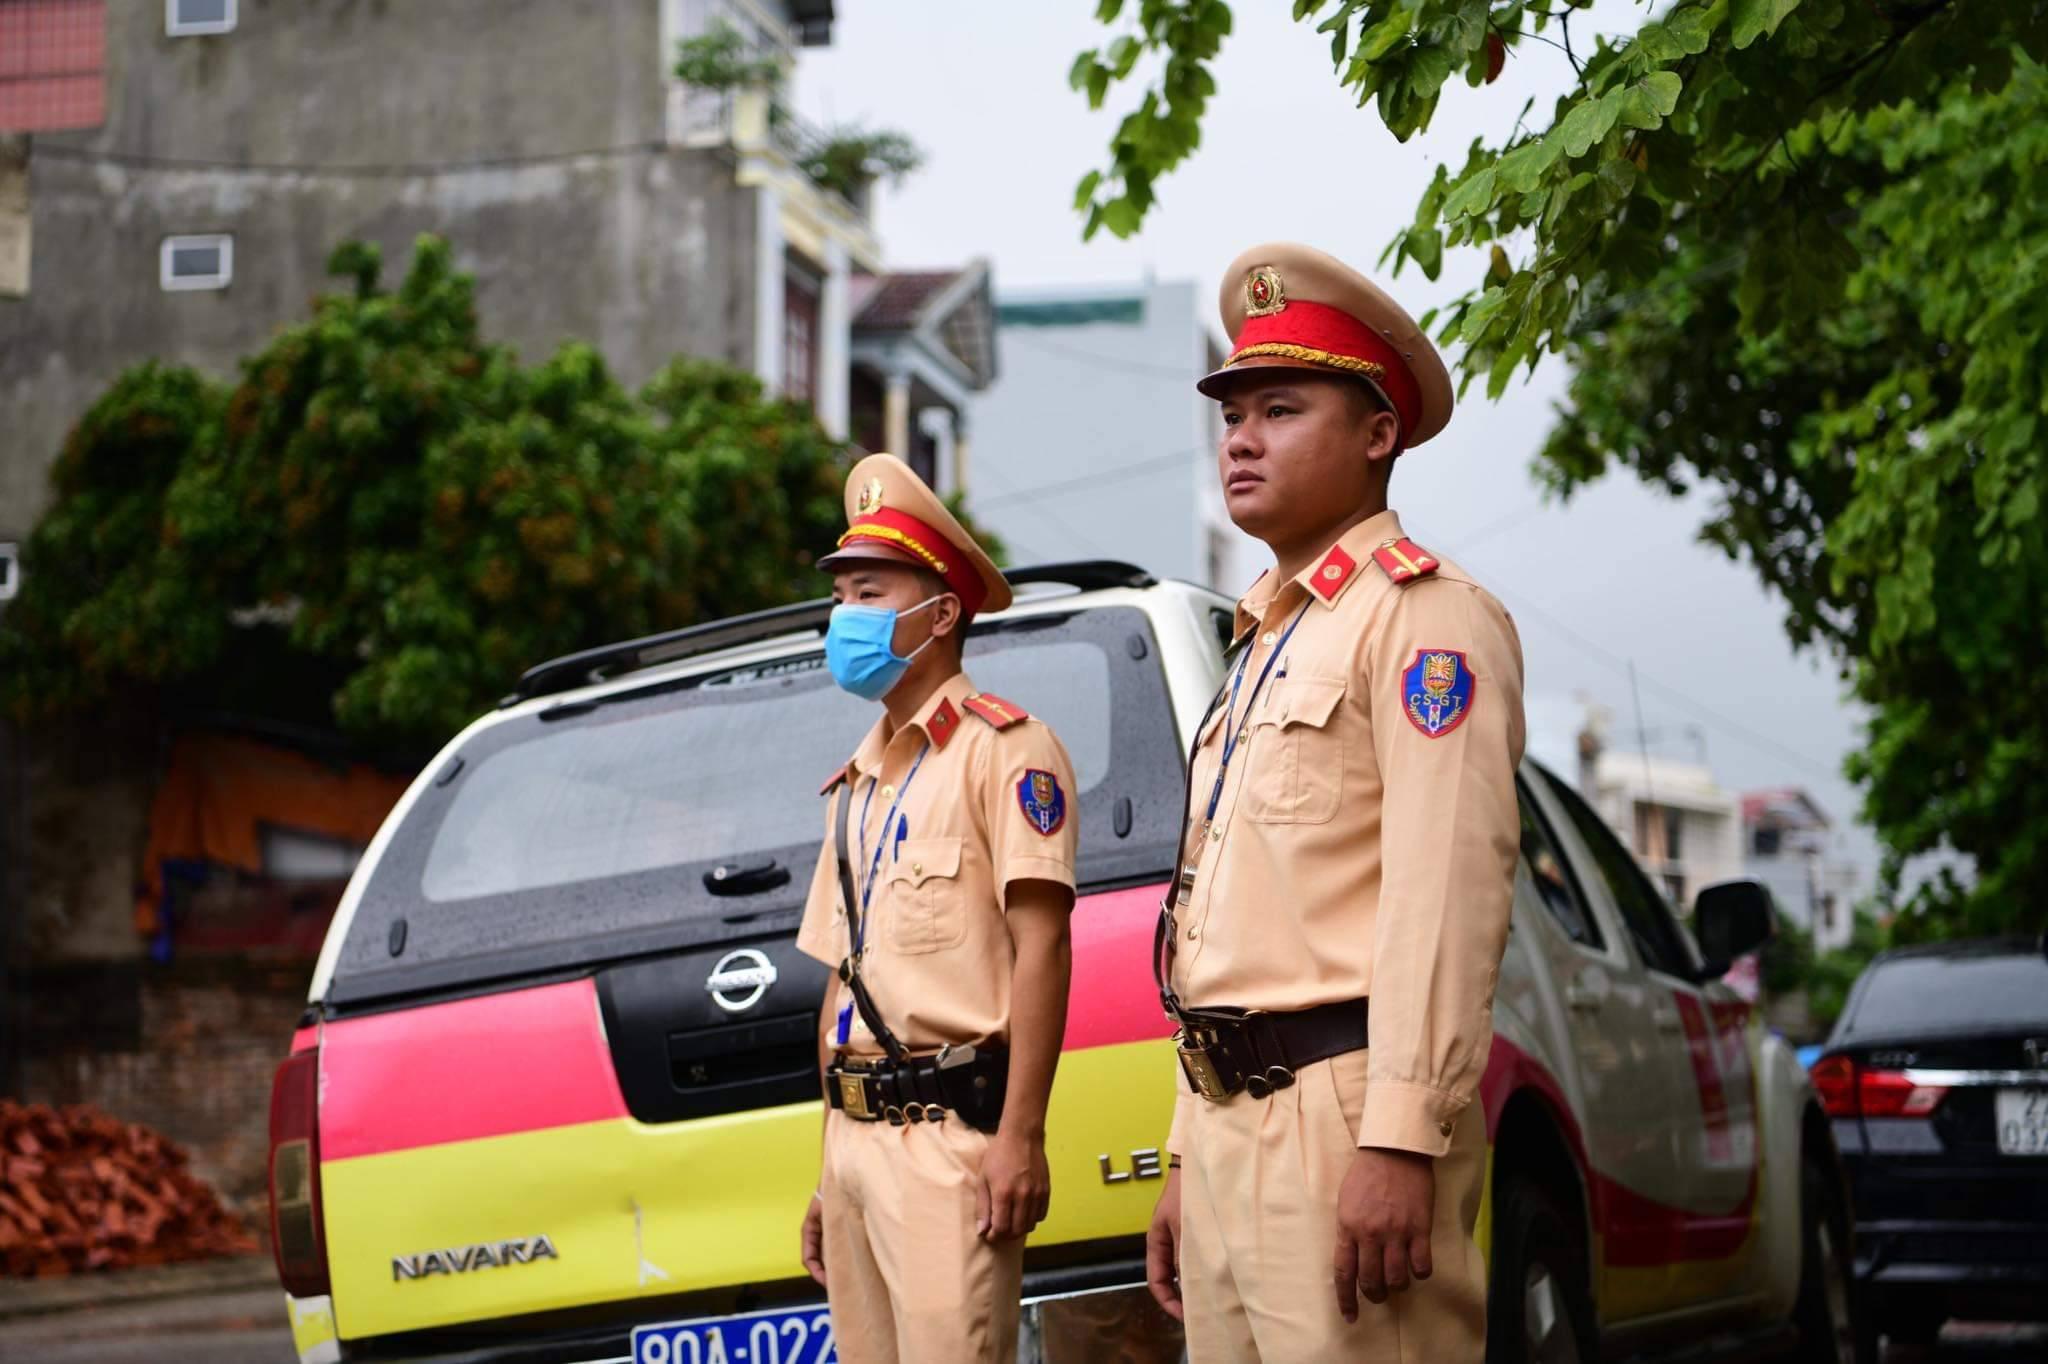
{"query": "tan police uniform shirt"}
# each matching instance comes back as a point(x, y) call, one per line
point(938, 955)
point(1352, 853)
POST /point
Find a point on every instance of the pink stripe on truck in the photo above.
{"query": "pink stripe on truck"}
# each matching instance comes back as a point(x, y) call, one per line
point(483, 1067)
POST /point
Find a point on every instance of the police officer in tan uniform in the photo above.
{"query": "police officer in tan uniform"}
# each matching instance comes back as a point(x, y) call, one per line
point(1332, 942)
point(941, 897)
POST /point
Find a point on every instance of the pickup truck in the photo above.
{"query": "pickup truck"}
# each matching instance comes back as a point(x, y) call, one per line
point(555, 1083)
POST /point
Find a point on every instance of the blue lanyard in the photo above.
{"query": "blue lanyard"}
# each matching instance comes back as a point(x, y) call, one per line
point(1231, 733)
point(867, 890)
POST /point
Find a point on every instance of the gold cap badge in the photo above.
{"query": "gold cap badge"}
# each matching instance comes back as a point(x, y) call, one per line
point(870, 498)
point(1264, 293)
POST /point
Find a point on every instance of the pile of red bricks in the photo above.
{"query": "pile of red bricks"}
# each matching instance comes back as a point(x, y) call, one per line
point(84, 1191)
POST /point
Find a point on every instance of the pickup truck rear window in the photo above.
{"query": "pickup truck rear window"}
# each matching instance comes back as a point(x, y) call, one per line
point(586, 833)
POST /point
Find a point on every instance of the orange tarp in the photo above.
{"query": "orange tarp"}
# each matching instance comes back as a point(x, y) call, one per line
point(219, 792)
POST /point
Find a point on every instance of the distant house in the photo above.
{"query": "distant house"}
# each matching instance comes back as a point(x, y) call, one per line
point(1094, 443)
point(1791, 846)
point(174, 174)
point(1684, 829)
point(1680, 824)
point(924, 345)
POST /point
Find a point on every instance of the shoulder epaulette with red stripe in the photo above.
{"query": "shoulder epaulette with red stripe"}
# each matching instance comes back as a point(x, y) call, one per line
point(837, 777)
point(994, 709)
point(1404, 561)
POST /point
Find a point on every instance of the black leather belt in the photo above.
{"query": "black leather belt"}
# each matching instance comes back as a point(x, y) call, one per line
point(969, 1081)
point(1230, 1051)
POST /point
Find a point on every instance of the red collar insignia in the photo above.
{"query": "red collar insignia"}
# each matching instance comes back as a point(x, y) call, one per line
point(942, 723)
point(1332, 575)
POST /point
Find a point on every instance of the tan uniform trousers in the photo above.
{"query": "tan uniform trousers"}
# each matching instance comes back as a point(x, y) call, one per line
point(1258, 1205)
point(908, 1278)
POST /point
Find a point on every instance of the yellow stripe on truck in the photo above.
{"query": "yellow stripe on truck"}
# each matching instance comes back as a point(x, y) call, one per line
point(632, 1210)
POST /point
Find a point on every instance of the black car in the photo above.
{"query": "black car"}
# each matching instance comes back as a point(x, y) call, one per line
point(1936, 1078)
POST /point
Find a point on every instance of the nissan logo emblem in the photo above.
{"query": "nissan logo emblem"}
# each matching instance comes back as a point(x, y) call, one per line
point(740, 979)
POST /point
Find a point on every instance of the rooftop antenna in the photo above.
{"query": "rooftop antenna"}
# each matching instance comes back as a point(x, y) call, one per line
point(1643, 746)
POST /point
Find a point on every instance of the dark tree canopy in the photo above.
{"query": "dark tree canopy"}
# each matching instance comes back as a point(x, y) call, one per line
point(392, 506)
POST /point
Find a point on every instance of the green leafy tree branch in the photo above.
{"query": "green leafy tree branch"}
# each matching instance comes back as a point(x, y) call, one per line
point(1788, 250)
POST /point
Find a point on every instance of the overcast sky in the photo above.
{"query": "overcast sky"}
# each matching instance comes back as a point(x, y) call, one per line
point(1612, 577)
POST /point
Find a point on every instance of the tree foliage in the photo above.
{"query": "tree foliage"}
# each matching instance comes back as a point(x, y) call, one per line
point(1834, 973)
point(385, 491)
point(1790, 250)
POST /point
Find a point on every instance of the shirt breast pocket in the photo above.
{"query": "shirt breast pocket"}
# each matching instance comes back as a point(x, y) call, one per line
point(1297, 753)
point(927, 912)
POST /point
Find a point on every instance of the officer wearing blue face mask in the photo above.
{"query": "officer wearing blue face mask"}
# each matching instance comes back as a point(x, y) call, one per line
point(860, 644)
point(941, 898)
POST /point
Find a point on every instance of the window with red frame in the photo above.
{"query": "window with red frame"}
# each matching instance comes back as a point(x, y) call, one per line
point(800, 336)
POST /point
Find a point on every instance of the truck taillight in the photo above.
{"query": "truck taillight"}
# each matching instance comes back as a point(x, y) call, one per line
point(295, 1231)
point(1848, 1090)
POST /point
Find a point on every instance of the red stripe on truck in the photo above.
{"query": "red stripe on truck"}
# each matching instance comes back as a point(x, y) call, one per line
point(473, 1068)
point(1112, 998)
point(1636, 1231)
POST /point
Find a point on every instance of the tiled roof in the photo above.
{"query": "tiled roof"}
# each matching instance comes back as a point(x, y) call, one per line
point(52, 65)
point(898, 300)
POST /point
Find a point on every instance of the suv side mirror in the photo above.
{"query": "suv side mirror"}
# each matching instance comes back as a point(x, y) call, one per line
point(1731, 919)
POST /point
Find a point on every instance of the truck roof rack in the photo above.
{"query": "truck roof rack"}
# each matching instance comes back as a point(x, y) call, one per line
point(586, 666)
point(1089, 575)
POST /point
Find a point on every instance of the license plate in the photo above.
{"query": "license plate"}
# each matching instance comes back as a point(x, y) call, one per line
point(800, 1335)
point(2023, 1122)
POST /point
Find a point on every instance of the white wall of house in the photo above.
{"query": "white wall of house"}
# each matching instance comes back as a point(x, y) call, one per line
point(1808, 871)
point(1093, 443)
point(1643, 798)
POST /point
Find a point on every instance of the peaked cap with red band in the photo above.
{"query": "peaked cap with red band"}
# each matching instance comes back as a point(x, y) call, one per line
point(892, 516)
point(1288, 306)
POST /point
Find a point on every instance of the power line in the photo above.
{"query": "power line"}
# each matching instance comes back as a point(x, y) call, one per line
point(359, 171)
point(1756, 739)
point(1461, 543)
point(1043, 491)
point(1102, 361)
point(1058, 524)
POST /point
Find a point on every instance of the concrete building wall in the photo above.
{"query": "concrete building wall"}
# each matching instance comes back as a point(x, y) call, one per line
point(374, 82)
point(187, 1049)
point(528, 132)
point(1093, 442)
point(89, 782)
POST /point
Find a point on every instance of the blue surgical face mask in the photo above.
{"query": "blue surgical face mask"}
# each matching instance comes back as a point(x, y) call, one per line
point(860, 648)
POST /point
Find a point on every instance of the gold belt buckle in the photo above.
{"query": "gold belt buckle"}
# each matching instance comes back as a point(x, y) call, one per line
point(853, 1096)
point(1200, 1070)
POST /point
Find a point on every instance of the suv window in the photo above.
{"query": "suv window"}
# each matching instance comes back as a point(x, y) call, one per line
point(1550, 872)
point(597, 800)
point(585, 833)
point(1650, 925)
point(1965, 992)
